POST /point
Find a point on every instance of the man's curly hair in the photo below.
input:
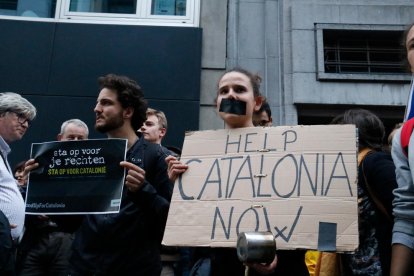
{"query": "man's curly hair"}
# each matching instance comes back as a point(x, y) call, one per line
point(129, 94)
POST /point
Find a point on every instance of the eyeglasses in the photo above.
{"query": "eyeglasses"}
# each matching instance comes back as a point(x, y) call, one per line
point(22, 118)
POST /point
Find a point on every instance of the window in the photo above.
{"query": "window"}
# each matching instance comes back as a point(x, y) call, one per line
point(360, 53)
point(168, 7)
point(103, 6)
point(144, 12)
point(154, 12)
point(8, 5)
point(366, 52)
point(28, 8)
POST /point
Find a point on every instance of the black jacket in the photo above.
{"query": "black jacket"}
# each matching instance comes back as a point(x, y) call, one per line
point(379, 170)
point(373, 256)
point(6, 247)
point(128, 243)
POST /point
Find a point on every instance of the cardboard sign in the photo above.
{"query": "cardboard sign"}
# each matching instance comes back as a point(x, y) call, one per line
point(297, 182)
point(76, 177)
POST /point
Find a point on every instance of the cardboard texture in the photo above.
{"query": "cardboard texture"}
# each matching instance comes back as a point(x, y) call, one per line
point(299, 182)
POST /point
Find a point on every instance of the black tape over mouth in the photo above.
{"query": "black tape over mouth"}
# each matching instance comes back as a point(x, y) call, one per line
point(233, 106)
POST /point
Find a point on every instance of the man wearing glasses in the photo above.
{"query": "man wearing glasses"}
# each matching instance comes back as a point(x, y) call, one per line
point(16, 114)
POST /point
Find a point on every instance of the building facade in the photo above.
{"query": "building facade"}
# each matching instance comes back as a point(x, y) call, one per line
point(283, 41)
point(317, 58)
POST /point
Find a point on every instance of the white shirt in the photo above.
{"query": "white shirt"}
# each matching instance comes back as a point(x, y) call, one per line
point(11, 200)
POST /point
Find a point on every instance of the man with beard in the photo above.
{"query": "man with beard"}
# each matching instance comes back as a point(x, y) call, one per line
point(126, 243)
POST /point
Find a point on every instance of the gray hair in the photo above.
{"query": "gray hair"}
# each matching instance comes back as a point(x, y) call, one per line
point(13, 102)
point(76, 122)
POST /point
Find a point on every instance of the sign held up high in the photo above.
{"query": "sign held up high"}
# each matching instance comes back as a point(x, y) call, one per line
point(299, 182)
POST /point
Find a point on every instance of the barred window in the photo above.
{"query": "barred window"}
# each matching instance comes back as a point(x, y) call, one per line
point(360, 52)
point(365, 52)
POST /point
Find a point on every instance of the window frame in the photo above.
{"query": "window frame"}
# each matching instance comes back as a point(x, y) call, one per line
point(321, 75)
point(142, 16)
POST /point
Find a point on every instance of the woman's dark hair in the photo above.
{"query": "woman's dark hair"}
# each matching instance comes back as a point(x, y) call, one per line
point(255, 80)
point(371, 130)
point(129, 95)
point(265, 107)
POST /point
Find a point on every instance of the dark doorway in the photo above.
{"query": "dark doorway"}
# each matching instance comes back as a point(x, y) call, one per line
point(313, 114)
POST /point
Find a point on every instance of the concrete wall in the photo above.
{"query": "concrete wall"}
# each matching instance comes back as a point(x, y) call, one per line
point(276, 38)
point(213, 21)
point(301, 74)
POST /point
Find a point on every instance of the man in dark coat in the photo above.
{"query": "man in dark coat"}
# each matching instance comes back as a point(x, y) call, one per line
point(127, 243)
point(6, 247)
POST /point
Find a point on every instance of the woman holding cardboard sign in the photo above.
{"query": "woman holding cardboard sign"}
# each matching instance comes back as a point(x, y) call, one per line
point(237, 99)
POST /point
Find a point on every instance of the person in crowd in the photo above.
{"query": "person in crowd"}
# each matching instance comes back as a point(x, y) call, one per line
point(16, 114)
point(376, 182)
point(126, 243)
point(46, 245)
point(21, 177)
point(18, 172)
point(154, 130)
point(240, 86)
point(391, 135)
point(155, 126)
point(403, 205)
point(263, 117)
point(73, 130)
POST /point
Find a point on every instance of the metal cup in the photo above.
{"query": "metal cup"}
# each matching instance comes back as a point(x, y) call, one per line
point(257, 247)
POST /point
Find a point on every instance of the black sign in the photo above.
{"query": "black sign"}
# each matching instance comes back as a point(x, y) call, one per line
point(76, 177)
